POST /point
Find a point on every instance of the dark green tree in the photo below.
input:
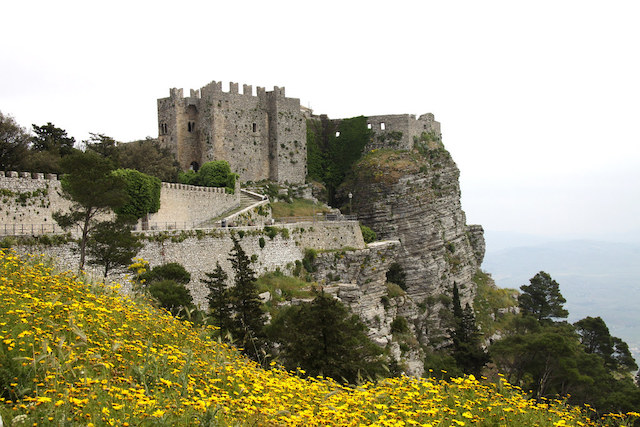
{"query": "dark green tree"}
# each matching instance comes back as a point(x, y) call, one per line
point(52, 139)
point(595, 337)
point(148, 157)
point(171, 295)
point(169, 271)
point(112, 245)
point(144, 193)
point(466, 338)
point(92, 188)
point(14, 142)
point(216, 173)
point(324, 338)
point(219, 298)
point(105, 146)
point(542, 298)
point(248, 327)
point(544, 361)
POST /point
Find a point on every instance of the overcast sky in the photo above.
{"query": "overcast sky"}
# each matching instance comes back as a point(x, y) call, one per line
point(539, 101)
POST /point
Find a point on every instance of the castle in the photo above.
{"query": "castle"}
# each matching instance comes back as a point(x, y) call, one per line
point(262, 136)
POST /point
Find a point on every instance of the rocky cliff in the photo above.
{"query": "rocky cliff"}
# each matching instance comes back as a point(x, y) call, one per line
point(413, 196)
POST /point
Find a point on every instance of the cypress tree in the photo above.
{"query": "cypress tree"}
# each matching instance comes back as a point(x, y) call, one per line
point(248, 324)
point(219, 298)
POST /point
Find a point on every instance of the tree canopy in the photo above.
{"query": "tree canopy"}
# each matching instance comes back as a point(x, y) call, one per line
point(216, 173)
point(143, 191)
point(53, 139)
point(542, 298)
point(324, 338)
point(14, 142)
point(147, 156)
point(92, 187)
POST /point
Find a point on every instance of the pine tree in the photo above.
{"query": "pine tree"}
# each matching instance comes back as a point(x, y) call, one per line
point(465, 337)
point(324, 337)
point(542, 298)
point(248, 325)
point(219, 298)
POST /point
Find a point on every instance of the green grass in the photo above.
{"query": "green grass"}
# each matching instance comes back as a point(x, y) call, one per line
point(290, 287)
point(297, 207)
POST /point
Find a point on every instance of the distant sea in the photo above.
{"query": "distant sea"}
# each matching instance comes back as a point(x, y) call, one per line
point(597, 278)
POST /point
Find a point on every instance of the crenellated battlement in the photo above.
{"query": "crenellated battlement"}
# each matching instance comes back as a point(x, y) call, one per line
point(29, 175)
point(215, 88)
point(194, 188)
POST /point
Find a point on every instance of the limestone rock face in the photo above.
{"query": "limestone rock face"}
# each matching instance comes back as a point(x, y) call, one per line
point(414, 197)
point(358, 279)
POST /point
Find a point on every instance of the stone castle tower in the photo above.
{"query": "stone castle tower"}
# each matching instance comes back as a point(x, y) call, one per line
point(261, 136)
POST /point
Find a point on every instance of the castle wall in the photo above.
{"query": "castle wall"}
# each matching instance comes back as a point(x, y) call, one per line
point(235, 129)
point(288, 139)
point(189, 205)
point(27, 204)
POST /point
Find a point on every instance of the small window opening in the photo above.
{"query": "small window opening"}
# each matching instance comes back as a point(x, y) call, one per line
point(194, 166)
point(254, 127)
point(368, 125)
point(191, 126)
point(382, 126)
point(337, 134)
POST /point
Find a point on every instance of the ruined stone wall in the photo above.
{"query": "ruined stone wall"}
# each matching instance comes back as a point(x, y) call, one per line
point(397, 131)
point(261, 136)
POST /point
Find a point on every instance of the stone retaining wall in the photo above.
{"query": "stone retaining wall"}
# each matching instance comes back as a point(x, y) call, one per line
point(200, 251)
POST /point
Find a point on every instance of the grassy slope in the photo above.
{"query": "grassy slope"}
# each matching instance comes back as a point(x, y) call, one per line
point(73, 354)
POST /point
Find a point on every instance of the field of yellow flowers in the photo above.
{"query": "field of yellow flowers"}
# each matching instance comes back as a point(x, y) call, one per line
point(78, 354)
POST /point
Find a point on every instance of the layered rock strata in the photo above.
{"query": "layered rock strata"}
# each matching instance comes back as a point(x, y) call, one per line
point(413, 196)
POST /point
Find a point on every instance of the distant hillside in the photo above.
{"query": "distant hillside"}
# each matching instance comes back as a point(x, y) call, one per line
point(597, 278)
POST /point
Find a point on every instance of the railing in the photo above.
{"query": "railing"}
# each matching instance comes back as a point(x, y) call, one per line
point(326, 217)
point(30, 229)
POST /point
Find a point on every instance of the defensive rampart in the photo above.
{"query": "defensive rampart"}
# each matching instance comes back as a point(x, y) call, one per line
point(27, 202)
point(192, 205)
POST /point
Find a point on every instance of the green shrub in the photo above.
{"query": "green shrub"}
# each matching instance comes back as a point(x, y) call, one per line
point(271, 232)
point(310, 256)
point(170, 271)
point(171, 295)
point(394, 291)
point(144, 193)
point(368, 234)
point(7, 243)
point(399, 325)
point(261, 242)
